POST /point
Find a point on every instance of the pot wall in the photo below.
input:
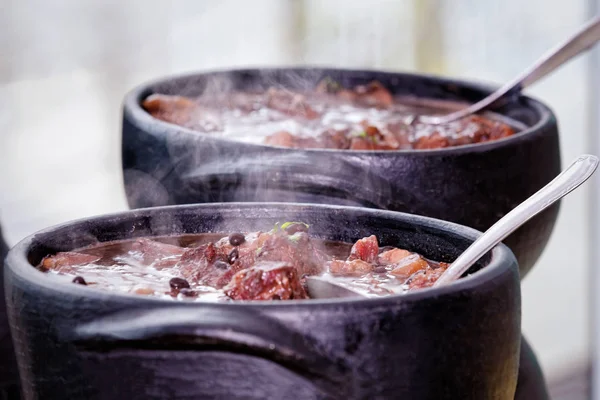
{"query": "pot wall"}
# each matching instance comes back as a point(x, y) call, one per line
point(74, 340)
point(9, 378)
point(471, 185)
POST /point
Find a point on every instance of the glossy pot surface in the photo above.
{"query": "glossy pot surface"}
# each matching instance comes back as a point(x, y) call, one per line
point(472, 185)
point(458, 341)
point(9, 377)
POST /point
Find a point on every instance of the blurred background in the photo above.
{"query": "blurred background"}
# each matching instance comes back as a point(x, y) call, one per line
point(65, 66)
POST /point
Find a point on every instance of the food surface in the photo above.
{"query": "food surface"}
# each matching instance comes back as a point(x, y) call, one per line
point(366, 117)
point(259, 265)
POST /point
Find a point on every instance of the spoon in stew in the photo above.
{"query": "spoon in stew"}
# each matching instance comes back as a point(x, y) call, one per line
point(576, 44)
point(321, 288)
point(572, 177)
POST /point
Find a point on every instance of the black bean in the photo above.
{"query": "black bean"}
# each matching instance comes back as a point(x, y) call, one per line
point(188, 292)
point(178, 284)
point(380, 270)
point(237, 239)
point(234, 255)
point(296, 227)
point(221, 265)
point(79, 280)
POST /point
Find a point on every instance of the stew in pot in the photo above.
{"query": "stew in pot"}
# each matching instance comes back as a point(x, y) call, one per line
point(366, 117)
point(243, 266)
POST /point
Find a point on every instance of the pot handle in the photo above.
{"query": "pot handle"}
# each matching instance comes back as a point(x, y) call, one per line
point(239, 330)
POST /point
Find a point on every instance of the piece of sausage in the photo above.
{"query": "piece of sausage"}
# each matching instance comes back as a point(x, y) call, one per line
point(266, 281)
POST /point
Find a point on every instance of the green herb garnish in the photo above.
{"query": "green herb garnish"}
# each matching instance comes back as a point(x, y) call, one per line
point(275, 228)
point(286, 224)
point(361, 134)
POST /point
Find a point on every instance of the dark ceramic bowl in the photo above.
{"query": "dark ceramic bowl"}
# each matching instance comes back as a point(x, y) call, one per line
point(460, 341)
point(472, 185)
point(9, 377)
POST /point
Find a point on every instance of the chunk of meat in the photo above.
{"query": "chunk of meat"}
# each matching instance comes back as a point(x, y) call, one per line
point(174, 109)
point(335, 139)
point(355, 267)
point(393, 256)
point(408, 266)
point(206, 265)
point(365, 249)
point(282, 139)
point(362, 143)
point(246, 252)
point(384, 139)
point(286, 139)
point(426, 277)
point(433, 141)
point(473, 129)
point(290, 103)
point(266, 281)
point(297, 250)
point(246, 257)
point(398, 134)
point(251, 240)
point(159, 254)
point(158, 103)
point(64, 261)
point(143, 290)
point(374, 95)
point(489, 129)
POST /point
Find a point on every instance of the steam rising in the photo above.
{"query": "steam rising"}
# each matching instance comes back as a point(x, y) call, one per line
point(210, 169)
point(207, 167)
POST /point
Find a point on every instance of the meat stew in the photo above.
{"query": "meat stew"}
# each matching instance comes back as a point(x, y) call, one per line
point(365, 117)
point(269, 265)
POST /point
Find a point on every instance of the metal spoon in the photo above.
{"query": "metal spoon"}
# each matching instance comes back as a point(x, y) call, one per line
point(577, 173)
point(320, 288)
point(555, 58)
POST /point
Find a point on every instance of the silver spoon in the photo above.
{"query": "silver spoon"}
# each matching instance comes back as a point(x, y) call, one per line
point(577, 173)
point(321, 288)
point(556, 57)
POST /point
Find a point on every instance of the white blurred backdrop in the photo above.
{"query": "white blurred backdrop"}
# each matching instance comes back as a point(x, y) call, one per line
point(66, 64)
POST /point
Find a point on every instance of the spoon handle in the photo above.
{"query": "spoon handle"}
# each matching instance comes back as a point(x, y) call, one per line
point(573, 46)
point(578, 172)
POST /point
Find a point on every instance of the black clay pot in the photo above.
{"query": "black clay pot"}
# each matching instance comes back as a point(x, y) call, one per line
point(471, 185)
point(460, 341)
point(9, 377)
point(531, 384)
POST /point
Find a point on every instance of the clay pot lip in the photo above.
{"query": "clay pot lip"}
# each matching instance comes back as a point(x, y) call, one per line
point(502, 259)
point(133, 111)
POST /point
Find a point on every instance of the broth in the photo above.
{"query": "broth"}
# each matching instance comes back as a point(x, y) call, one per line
point(252, 266)
point(365, 117)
